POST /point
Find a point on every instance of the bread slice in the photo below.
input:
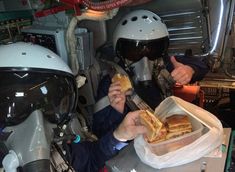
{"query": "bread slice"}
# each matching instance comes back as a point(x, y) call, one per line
point(124, 81)
point(177, 122)
point(161, 136)
point(152, 123)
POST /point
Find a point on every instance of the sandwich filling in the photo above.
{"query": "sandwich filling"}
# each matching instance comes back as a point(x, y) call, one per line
point(152, 123)
point(161, 136)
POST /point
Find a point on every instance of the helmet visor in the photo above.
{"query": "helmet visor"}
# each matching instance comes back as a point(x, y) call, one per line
point(134, 50)
point(23, 92)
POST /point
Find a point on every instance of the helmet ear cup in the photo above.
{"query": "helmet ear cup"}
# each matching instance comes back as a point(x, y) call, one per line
point(140, 25)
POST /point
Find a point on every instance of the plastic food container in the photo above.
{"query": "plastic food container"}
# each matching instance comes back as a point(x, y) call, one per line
point(178, 142)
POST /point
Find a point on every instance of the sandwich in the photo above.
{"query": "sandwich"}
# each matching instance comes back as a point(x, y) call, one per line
point(124, 81)
point(153, 125)
point(160, 137)
point(177, 125)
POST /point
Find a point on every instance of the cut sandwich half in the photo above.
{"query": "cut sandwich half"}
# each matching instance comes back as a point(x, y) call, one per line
point(177, 125)
point(124, 81)
point(152, 123)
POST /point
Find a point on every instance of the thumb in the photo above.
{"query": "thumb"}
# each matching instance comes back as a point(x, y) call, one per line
point(175, 62)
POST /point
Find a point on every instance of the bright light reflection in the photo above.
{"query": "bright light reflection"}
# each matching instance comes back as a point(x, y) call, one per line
point(219, 26)
point(19, 94)
point(44, 90)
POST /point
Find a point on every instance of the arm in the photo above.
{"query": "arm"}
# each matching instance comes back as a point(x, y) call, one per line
point(187, 69)
point(106, 120)
point(200, 67)
point(109, 118)
point(91, 156)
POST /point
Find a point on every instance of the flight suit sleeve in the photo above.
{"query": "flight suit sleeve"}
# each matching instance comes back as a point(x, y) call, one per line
point(91, 156)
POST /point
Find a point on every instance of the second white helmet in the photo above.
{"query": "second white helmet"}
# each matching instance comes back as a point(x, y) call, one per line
point(142, 31)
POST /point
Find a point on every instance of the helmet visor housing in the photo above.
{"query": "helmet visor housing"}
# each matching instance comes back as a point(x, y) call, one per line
point(134, 50)
point(22, 92)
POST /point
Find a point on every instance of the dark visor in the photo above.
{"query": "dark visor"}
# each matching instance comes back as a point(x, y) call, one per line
point(23, 92)
point(134, 50)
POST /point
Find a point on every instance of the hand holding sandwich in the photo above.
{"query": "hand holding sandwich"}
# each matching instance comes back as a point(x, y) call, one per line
point(120, 87)
point(130, 127)
point(117, 98)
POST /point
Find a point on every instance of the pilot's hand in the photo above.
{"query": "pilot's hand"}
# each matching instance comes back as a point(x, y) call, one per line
point(182, 74)
point(116, 97)
point(130, 127)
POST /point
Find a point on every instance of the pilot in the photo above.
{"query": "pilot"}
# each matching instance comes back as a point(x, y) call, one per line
point(38, 97)
point(140, 42)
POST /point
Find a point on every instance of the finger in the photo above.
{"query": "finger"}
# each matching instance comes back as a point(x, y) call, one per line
point(177, 76)
point(134, 115)
point(174, 73)
point(178, 71)
point(184, 80)
point(178, 85)
point(122, 95)
point(134, 131)
point(115, 87)
point(116, 82)
point(140, 129)
point(128, 92)
point(175, 62)
point(114, 93)
point(117, 100)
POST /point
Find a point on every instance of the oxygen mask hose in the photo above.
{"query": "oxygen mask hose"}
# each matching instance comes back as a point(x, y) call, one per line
point(42, 165)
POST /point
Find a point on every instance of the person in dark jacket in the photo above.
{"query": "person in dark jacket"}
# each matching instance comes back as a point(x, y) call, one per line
point(140, 40)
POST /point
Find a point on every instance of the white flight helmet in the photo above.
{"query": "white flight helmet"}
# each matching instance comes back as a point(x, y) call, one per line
point(33, 77)
point(28, 55)
point(140, 33)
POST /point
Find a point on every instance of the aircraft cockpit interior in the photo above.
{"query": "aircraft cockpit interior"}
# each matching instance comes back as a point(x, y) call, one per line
point(58, 59)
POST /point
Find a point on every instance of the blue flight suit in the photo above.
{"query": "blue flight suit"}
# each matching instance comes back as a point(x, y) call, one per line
point(108, 119)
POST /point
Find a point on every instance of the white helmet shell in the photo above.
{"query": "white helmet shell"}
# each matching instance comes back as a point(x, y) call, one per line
point(140, 25)
point(28, 55)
